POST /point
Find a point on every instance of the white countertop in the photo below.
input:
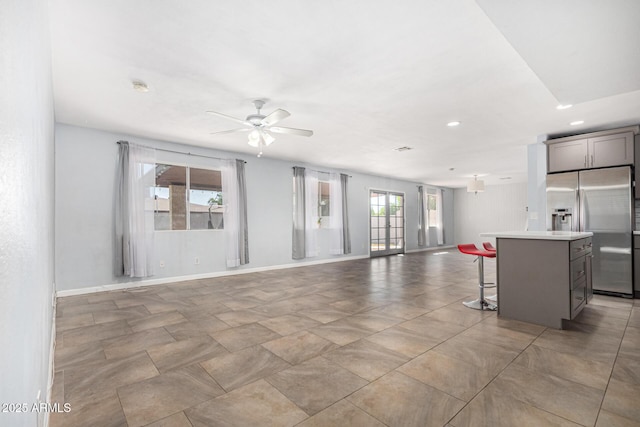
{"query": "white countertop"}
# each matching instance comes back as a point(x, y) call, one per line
point(540, 235)
point(636, 233)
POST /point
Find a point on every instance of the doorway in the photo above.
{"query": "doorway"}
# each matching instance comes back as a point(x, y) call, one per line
point(386, 223)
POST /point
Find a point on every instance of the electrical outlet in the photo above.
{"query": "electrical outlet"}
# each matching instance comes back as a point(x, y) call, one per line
point(161, 264)
point(196, 261)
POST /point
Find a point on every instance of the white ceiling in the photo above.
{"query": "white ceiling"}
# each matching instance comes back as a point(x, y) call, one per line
point(366, 76)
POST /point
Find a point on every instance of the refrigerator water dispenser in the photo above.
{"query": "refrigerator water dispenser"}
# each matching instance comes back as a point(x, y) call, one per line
point(562, 220)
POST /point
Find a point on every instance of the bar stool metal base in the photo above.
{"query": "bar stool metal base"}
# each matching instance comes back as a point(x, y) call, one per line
point(475, 304)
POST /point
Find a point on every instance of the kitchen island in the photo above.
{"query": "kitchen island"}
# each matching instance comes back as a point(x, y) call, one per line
point(543, 277)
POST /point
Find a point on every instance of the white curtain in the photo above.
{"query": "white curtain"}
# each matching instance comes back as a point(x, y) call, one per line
point(423, 226)
point(134, 210)
point(335, 215)
point(234, 197)
point(311, 213)
point(298, 241)
point(440, 225)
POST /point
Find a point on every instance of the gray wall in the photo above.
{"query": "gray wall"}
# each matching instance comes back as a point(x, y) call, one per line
point(85, 179)
point(498, 208)
point(26, 211)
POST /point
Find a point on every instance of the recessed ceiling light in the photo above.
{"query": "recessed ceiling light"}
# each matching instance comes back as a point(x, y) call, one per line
point(405, 148)
point(452, 124)
point(564, 106)
point(576, 123)
point(452, 169)
point(506, 177)
point(139, 86)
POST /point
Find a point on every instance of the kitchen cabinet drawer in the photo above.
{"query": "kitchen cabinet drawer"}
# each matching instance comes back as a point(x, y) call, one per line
point(580, 248)
point(578, 271)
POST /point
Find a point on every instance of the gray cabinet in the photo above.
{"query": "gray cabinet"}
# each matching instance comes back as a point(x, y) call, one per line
point(636, 266)
point(566, 156)
point(597, 150)
point(611, 150)
point(543, 281)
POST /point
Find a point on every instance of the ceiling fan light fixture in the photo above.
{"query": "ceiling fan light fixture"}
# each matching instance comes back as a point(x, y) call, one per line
point(268, 139)
point(254, 138)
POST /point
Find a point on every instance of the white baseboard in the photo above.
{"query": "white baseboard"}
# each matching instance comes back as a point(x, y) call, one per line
point(165, 280)
point(52, 350)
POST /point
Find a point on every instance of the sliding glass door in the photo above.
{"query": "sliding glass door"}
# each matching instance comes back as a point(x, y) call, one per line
point(386, 222)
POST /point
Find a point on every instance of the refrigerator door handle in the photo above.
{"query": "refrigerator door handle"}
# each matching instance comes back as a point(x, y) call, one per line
point(581, 209)
point(576, 210)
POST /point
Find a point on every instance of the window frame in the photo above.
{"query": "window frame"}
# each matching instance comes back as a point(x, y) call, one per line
point(188, 189)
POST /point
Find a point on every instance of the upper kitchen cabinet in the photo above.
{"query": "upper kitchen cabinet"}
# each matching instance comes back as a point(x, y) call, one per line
point(594, 150)
point(611, 150)
point(567, 156)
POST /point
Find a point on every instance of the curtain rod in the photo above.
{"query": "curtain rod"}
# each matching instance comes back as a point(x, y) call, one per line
point(178, 152)
point(315, 170)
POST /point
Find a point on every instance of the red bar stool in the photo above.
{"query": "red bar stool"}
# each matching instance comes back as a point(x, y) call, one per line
point(481, 303)
point(488, 246)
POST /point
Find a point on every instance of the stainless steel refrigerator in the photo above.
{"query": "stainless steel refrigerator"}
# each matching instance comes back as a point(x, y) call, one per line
point(599, 201)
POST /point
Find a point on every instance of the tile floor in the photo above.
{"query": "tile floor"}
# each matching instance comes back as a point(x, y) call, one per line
point(371, 342)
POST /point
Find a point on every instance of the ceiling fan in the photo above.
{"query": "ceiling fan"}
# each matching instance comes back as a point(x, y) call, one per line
point(259, 126)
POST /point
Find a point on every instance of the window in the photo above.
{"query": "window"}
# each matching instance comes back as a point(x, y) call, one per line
point(187, 198)
point(432, 209)
point(324, 203)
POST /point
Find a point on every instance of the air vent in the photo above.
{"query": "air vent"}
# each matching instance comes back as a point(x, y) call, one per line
point(405, 148)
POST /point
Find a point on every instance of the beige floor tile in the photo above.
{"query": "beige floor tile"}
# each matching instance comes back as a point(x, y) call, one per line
point(73, 357)
point(503, 337)
point(74, 321)
point(588, 372)
point(598, 347)
point(235, 339)
point(492, 408)
point(156, 321)
point(177, 354)
point(135, 342)
point(627, 370)
point(404, 341)
point(515, 325)
point(622, 399)
point(342, 332)
point(324, 313)
point(240, 317)
point(399, 400)
point(341, 413)
point(158, 397)
point(452, 376)
point(316, 384)
point(373, 321)
point(105, 411)
point(196, 328)
point(96, 379)
point(128, 313)
point(245, 366)
point(87, 334)
point(567, 399)
point(634, 318)
point(490, 358)
point(630, 347)
point(289, 324)
point(429, 327)
point(298, 347)
point(71, 310)
point(176, 420)
point(401, 310)
point(257, 403)
point(366, 359)
point(607, 419)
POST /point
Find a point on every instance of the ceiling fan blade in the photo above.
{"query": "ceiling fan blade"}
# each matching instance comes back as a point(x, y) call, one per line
point(230, 131)
point(292, 131)
point(275, 117)
point(215, 113)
